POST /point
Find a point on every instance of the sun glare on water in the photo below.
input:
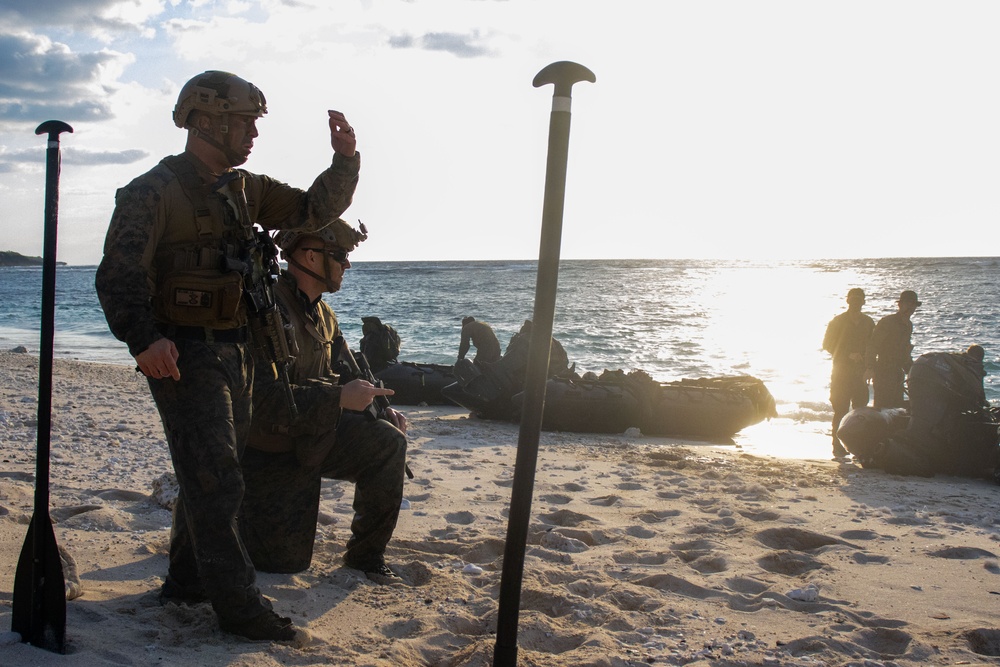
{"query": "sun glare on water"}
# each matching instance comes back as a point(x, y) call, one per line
point(771, 319)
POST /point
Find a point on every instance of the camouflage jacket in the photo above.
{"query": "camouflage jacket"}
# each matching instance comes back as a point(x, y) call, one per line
point(311, 328)
point(156, 209)
point(890, 345)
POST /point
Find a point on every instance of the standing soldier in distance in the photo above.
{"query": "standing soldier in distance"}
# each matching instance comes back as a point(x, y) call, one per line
point(846, 340)
point(171, 284)
point(890, 353)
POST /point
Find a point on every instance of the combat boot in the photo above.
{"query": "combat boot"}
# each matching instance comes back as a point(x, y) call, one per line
point(266, 626)
point(375, 569)
point(179, 594)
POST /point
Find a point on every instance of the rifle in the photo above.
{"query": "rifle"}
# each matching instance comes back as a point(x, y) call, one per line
point(352, 366)
point(267, 331)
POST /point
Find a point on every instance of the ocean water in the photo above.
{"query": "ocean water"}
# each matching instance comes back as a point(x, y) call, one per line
point(672, 318)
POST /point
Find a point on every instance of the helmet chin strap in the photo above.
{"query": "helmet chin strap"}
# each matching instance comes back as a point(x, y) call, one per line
point(330, 285)
point(235, 159)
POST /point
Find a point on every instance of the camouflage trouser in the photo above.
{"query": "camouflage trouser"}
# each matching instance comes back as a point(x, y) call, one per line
point(281, 504)
point(206, 417)
point(848, 391)
point(887, 386)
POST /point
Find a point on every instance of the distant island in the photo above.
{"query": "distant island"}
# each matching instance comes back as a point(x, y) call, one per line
point(11, 258)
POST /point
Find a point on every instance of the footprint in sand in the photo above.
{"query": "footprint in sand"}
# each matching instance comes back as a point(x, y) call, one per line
point(61, 514)
point(961, 553)
point(591, 538)
point(18, 476)
point(629, 486)
point(640, 557)
point(414, 573)
point(763, 515)
point(862, 535)
point(884, 641)
point(984, 641)
point(563, 543)
point(929, 534)
point(747, 585)
point(694, 549)
point(566, 518)
point(484, 552)
point(640, 532)
point(700, 555)
point(788, 563)
point(797, 539)
point(628, 600)
point(862, 558)
point(444, 533)
point(706, 504)
point(658, 516)
point(461, 518)
point(605, 501)
point(555, 499)
point(121, 494)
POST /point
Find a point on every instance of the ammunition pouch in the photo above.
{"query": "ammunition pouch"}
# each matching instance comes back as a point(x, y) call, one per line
point(201, 298)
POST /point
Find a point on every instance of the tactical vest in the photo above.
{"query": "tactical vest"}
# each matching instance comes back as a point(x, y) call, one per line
point(198, 267)
point(314, 355)
point(311, 345)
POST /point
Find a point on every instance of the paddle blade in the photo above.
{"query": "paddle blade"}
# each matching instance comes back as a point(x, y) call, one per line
point(38, 612)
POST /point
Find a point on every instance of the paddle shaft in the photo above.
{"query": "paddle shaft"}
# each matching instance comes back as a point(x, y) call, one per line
point(46, 608)
point(52, 169)
point(563, 75)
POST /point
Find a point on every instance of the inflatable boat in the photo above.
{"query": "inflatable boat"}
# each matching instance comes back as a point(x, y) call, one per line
point(950, 427)
point(615, 402)
point(416, 383)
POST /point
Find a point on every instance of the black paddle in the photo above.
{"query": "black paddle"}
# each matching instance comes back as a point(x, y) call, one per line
point(563, 74)
point(39, 603)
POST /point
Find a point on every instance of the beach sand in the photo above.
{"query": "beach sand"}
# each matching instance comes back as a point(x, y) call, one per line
point(640, 550)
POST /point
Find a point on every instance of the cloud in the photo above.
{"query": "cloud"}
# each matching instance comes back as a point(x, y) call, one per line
point(9, 161)
point(84, 157)
point(470, 45)
point(100, 18)
point(44, 79)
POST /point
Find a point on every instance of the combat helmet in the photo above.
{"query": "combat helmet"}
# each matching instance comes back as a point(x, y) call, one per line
point(337, 234)
point(220, 94)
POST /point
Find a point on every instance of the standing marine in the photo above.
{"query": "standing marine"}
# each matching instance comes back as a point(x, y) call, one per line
point(846, 340)
point(890, 353)
point(181, 282)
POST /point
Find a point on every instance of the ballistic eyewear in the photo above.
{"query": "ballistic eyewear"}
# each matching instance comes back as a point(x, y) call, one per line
point(338, 255)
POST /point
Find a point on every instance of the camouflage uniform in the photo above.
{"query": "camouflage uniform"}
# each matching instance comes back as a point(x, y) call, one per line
point(479, 334)
point(167, 220)
point(889, 357)
point(286, 460)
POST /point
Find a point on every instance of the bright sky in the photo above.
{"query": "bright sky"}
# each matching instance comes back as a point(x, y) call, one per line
point(716, 128)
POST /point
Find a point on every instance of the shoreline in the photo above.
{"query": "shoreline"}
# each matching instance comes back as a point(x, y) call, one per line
point(639, 550)
point(787, 438)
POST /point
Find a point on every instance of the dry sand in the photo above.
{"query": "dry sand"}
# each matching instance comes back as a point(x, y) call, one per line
point(640, 551)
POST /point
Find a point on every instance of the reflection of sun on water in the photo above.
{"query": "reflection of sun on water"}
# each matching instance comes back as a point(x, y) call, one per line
point(772, 319)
